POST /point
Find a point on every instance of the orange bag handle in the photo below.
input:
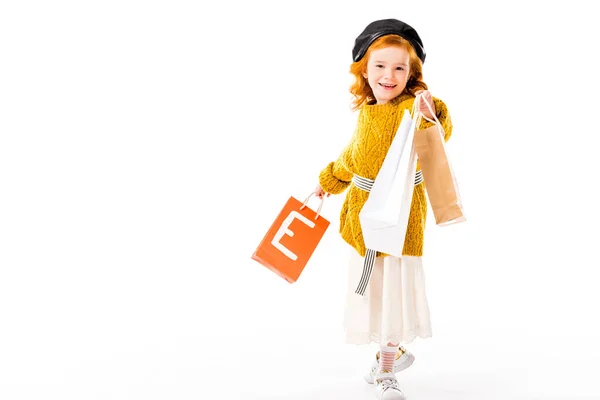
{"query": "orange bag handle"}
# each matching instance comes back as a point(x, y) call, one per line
point(320, 205)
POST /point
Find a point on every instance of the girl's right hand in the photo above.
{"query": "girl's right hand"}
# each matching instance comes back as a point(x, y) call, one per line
point(319, 192)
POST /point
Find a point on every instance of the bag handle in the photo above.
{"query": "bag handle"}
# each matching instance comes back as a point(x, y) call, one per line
point(320, 205)
point(421, 115)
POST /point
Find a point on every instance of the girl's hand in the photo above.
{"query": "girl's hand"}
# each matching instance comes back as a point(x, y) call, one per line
point(319, 192)
point(422, 107)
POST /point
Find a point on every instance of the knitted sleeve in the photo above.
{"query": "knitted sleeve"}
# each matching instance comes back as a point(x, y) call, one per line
point(337, 175)
point(443, 115)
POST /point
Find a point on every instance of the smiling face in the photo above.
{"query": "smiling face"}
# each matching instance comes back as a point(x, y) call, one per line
point(388, 72)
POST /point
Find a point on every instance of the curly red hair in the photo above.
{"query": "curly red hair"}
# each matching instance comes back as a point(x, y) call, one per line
point(360, 89)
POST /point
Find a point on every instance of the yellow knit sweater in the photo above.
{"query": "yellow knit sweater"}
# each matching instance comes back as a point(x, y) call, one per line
point(377, 124)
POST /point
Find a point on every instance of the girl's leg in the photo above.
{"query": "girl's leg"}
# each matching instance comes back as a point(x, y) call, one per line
point(402, 360)
point(387, 355)
point(386, 384)
point(401, 351)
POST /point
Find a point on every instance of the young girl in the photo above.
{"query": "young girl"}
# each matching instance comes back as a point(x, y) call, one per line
point(387, 306)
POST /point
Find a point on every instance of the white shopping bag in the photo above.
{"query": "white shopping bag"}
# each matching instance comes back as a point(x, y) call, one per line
point(384, 216)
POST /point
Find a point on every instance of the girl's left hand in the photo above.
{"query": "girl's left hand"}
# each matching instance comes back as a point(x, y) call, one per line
point(422, 107)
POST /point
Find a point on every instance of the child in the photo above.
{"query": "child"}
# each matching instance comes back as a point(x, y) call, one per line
point(389, 307)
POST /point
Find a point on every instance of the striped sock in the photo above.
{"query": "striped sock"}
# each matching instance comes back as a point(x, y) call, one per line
point(387, 355)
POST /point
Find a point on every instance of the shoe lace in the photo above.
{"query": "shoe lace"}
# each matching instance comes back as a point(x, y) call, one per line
point(388, 383)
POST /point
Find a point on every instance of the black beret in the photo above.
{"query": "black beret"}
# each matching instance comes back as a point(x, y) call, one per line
point(383, 27)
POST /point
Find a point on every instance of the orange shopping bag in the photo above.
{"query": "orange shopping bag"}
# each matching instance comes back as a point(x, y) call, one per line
point(292, 239)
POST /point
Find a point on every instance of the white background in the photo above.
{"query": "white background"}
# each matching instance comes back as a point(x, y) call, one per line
point(146, 147)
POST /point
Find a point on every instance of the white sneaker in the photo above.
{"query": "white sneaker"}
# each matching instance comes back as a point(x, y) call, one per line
point(387, 388)
point(400, 364)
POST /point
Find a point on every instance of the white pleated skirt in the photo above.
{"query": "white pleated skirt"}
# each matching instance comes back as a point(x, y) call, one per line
point(394, 308)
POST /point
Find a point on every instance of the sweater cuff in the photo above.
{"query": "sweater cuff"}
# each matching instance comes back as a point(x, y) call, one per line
point(330, 183)
point(425, 124)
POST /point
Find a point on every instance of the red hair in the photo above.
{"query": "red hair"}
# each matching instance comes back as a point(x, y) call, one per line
point(361, 90)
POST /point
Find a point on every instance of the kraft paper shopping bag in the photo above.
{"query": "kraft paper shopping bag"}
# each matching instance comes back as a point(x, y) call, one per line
point(440, 182)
